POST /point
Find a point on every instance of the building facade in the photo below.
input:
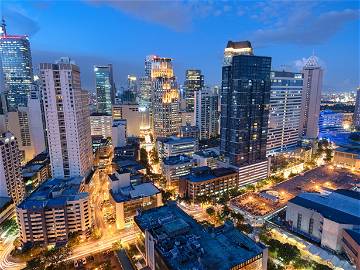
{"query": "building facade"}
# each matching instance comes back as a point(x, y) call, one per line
point(11, 181)
point(194, 81)
point(245, 96)
point(100, 125)
point(17, 67)
point(165, 98)
point(173, 146)
point(56, 209)
point(356, 116)
point(285, 108)
point(311, 97)
point(175, 167)
point(206, 113)
point(133, 116)
point(105, 88)
point(67, 119)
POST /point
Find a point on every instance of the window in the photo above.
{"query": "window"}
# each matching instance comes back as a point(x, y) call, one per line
point(298, 225)
point(311, 225)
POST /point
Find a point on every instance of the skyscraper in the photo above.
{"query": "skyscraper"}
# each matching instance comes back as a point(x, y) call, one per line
point(67, 119)
point(194, 81)
point(165, 98)
point(17, 67)
point(105, 88)
point(311, 97)
point(245, 97)
point(285, 107)
point(206, 113)
point(356, 117)
point(11, 182)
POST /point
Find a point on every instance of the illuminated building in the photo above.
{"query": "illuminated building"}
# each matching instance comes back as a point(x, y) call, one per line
point(356, 117)
point(285, 107)
point(189, 131)
point(194, 81)
point(206, 113)
point(165, 98)
point(133, 116)
point(105, 88)
point(52, 212)
point(244, 104)
point(174, 167)
point(17, 67)
point(100, 125)
point(173, 240)
point(311, 97)
point(11, 181)
point(331, 122)
point(67, 119)
point(173, 146)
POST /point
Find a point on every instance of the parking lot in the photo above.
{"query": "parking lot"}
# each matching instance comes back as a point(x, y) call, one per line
point(321, 178)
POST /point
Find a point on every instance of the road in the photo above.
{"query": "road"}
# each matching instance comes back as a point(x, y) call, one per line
point(105, 243)
point(5, 262)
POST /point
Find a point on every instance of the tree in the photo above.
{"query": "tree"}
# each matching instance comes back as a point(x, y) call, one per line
point(154, 156)
point(288, 252)
point(144, 157)
point(318, 266)
point(210, 211)
point(245, 228)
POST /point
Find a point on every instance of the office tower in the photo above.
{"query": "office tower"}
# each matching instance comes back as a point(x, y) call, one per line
point(356, 117)
point(11, 182)
point(67, 119)
point(311, 97)
point(194, 81)
point(148, 64)
point(244, 104)
point(16, 64)
point(132, 84)
point(165, 98)
point(144, 91)
point(285, 107)
point(105, 88)
point(206, 113)
point(26, 124)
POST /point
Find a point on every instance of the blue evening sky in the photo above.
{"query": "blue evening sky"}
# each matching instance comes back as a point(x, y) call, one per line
point(193, 33)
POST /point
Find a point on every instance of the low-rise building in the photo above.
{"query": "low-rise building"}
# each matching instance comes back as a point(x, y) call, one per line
point(129, 151)
point(347, 158)
point(173, 146)
point(55, 209)
point(189, 131)
point(174, 167)
point(206, 158)
point(206, 181)
point(175, 241)
point(35, 174)
point(128, 199)
point(119, 133)
point(323, 217)
point(103, 153)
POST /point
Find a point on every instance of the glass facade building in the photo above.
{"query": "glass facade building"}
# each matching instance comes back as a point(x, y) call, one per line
point(194, 82)
point(17, 68)
point(245, 99)
point(105, 89)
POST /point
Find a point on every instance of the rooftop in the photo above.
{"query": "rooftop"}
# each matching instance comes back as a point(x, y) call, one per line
point(239, 44)
point(207, 154)
point(341, 206)
point(179, 159)
point(54, 192)
point(205, 173)
point(174, 140)
point(186, 245)
point(134, 192)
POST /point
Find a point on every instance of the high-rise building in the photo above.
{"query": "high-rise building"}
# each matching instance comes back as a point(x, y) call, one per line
point(67, 119)
point(11, 181)
point(285, 107)
point(101, 125)
point(206, 113)
point(148, 65)
point(194, 81)
point(132, 114)
point(17, 67)
point(105, 88)
point(245, 98)
point(165, 98)
point(311, 97)
point(356, 117)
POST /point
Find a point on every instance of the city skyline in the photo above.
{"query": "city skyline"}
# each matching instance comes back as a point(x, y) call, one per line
point(287, 41)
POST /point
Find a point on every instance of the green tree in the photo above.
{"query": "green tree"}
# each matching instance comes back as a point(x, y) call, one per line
point(288, 252)
point(144, 157)
point(210, 211)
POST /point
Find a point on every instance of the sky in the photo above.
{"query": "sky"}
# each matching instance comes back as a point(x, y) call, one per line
point(193, 33)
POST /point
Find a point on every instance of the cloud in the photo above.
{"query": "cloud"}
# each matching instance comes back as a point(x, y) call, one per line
point(175, 15)
point(19, 22)
point(303, 27)
point(300, 63)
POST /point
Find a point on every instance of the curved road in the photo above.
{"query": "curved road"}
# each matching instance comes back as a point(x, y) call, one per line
point(5, 263)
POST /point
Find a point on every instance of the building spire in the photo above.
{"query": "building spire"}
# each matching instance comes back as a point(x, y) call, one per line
point(3, 27)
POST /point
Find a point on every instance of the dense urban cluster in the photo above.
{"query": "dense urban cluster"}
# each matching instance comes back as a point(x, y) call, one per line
point(259, 172)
